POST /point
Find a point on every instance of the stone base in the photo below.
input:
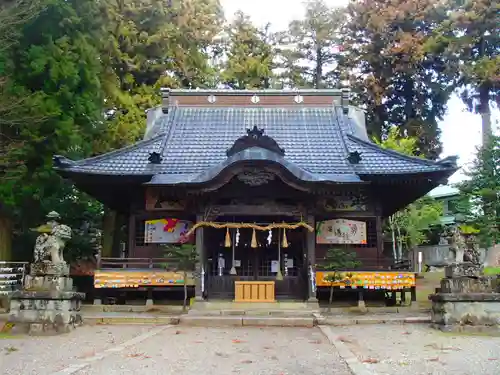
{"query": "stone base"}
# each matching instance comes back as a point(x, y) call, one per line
point(48, 282)
point(47, 268)
point(47, 329)
point(489, 330)
point(49, 311)
point(463, 269)
point(465, 309)
point(465, 284)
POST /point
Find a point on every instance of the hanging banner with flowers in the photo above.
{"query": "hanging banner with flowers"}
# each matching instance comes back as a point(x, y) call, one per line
point(166, 230)
point(341, 231)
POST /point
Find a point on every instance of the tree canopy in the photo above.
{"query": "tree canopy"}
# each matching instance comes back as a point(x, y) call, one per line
point(76, 78)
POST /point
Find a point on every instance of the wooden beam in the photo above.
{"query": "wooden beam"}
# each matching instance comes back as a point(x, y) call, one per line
point(131, 236)
point(200, 286)
point(311, 256)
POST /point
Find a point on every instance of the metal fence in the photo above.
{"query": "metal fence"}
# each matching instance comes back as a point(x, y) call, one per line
point(11, 276)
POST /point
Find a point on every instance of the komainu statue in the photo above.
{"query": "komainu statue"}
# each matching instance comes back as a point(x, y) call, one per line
point(49, 247)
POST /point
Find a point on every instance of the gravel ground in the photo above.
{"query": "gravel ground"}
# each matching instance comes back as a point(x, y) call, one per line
point(218, 351)
point(45, 355)
point(419, 350)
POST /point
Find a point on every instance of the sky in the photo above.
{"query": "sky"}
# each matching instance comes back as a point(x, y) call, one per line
point(460, 130)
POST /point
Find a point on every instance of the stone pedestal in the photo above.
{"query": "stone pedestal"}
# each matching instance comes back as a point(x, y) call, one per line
point(467, 301)
point(46, 305)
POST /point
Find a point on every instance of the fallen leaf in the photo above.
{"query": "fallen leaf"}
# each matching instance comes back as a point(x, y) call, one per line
point(267, 347)
point(492, 359)
point(274, 358)
point(370, 360)
point(246, 361)
point(87, 355)
point(236, 341)
point(178, 332)
point(315, 342)
point(433, 359)
point(135, 355)
point(406, 333)
point(198, 341)
point(343, 339)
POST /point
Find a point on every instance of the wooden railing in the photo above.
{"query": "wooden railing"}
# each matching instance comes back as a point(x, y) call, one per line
point(11, 276)
point(163, 263)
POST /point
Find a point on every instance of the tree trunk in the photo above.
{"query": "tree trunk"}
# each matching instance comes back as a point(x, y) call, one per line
point(184, 303)
point(5, 238)
point(484, 110)
point(330, 299)
point(393, 235)
point(108, 233)
point(318, 71)
point(400, 244)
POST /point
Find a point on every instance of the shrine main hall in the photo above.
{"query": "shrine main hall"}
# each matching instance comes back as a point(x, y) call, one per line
point(261, 183)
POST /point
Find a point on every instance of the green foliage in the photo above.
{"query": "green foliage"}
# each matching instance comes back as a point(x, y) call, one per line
point(308, 54)
point(339, 259)
point(407, 226)
point(414, 219)
point(470, 37)
point(397, 75)
point(482, 191)
point(55, 66)
point(77, 76)
point(250, 56)
point(181, 257)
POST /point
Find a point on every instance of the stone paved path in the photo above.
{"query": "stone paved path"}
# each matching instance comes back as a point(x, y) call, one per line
point(384, 349)
point(219, 351)
point(416, 349)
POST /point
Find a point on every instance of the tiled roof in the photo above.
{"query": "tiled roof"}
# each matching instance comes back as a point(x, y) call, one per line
point(193, 140)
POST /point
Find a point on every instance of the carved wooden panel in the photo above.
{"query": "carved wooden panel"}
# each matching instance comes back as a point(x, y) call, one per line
point(344, 201)
point(155, 201)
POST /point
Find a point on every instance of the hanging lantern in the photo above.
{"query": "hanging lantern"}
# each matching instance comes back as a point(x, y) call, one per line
point(227, 243)
point(284, 244)
point(269, 237)
point(254, 240)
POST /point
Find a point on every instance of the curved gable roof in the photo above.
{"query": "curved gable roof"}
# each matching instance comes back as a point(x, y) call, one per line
point(192, 140)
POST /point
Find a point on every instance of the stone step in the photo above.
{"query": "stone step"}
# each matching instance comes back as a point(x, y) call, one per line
point(129, 319)
point(287, 313)
point(372, 319)
point(244, 306)
point(250, 320)
point(173, 309)
point(253, 321)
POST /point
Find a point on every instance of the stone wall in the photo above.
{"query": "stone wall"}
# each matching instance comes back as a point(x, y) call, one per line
point(473, 310)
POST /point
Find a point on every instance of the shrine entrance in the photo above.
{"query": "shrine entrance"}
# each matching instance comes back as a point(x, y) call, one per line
point(245, 254)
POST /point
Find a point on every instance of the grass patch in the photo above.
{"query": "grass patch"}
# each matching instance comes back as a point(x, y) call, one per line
point(427, 285)
point(491, 271)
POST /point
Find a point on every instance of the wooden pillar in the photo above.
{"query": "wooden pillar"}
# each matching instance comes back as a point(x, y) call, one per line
point(118, 235)
point(311, 259)
point(108, 232)
point(131, 236)
point(380, 238)
point(200, 287)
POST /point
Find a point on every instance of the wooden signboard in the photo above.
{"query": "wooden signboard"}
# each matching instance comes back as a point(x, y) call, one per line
point(123, 278)
point(344, 201)
point(376, 280)
point(341, 231)
point(167, 230)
